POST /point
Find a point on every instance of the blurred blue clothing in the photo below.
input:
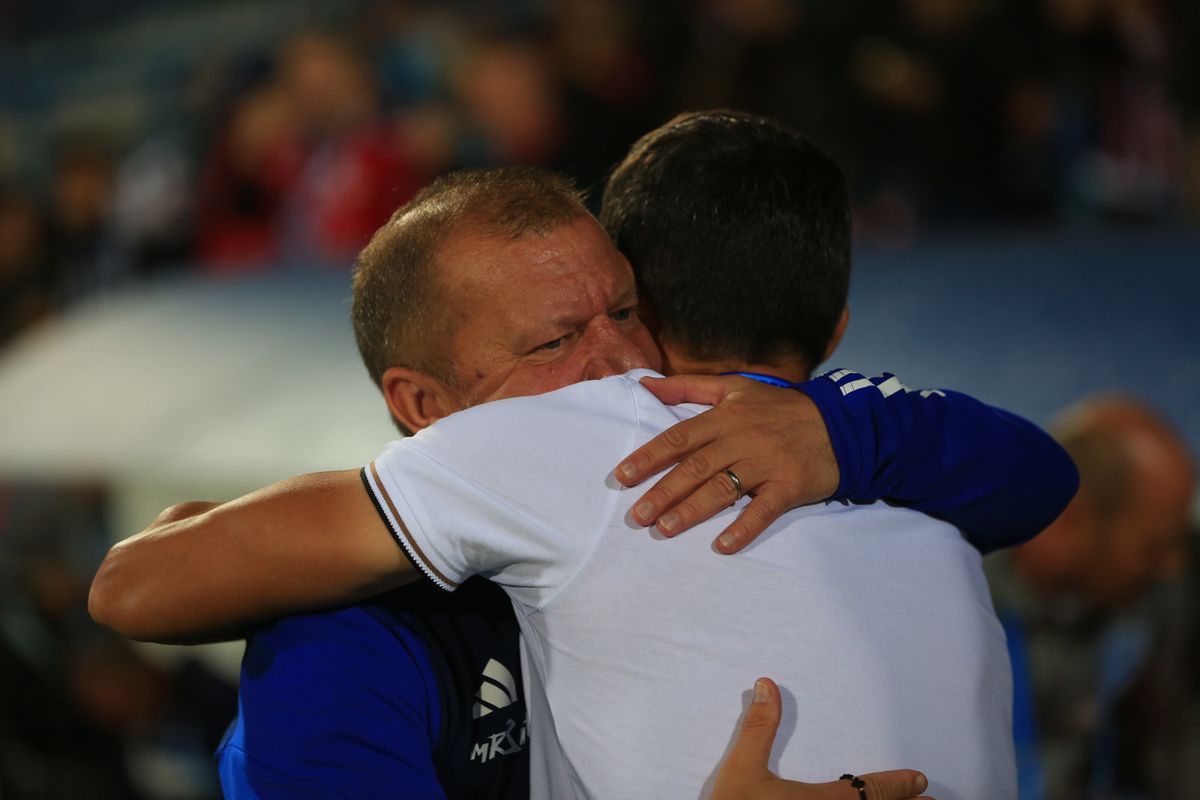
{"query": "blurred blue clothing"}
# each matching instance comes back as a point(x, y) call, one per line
point(1074, 666)
point(395, 696)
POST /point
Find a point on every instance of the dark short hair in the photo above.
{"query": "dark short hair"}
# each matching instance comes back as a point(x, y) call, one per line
point(399, 307)
point(738, 229)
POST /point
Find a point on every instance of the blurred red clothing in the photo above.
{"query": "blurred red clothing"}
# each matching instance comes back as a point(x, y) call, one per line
point(309, 205)
point(350, 185)
point(240, 205)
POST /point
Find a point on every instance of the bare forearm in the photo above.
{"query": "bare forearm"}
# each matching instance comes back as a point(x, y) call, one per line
point(125, 588)
point(203, 571)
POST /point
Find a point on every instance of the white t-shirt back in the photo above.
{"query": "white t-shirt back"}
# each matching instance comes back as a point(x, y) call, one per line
point(875, 621)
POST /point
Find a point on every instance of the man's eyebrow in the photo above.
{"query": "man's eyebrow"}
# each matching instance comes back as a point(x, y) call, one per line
point(568, 322)
point(626, 298)
point(540, 331)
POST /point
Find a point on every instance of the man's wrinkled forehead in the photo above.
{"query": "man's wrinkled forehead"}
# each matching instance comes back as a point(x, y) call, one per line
point(537, 312)
point(474, 261)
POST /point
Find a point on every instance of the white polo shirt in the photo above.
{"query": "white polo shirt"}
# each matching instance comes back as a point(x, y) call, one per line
point(875, 621)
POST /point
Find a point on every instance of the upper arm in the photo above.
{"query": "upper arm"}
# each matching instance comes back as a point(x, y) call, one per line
point(306, 542)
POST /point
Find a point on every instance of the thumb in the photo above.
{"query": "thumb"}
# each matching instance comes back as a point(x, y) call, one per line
point(707, 390)
point(752, 749)
point(896, 784)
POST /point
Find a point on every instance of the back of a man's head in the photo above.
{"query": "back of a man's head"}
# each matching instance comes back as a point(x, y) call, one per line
point(402, 312)
point(738, 229)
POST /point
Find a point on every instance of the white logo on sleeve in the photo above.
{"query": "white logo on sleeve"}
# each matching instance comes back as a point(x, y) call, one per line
point(497, 690)
point(887, 384)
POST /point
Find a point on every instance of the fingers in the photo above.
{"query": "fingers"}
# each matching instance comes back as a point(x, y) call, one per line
point(715, 495)
point(697, 487)
point(691, 492)
point(704, 389)
point(773, 439)
point(669, 447)
point(695, 491)
point(755, 518)
point(896, 784)
point(745, 772)
point(752, 749)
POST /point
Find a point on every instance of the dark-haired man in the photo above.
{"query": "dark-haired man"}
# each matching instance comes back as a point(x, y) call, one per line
point(535, 574)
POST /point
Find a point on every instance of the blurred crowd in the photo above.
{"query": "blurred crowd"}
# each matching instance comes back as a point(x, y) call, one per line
point(287, 136)
point(268, 135)
point(82, 712)
point(1102, 617)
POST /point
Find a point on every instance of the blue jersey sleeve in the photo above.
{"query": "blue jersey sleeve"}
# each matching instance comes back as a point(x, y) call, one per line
point(996, 476)
point(334, 704)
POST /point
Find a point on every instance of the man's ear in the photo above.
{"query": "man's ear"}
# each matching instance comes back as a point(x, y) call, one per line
point(416, 399)
point(838, 331)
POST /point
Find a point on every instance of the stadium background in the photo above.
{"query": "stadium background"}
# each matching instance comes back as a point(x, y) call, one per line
point(183, 186)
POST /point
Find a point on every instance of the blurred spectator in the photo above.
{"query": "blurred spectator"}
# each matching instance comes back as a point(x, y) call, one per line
point(510, 99)
point(83, 715)
point(83, 256)
point(415, 44)
point(355, 172)
point(944, 112)
point(1135, 166)
point(25, 280)
point(1077, 604)
point(738, 50)
point(1111, 125)
point(1165, 697)
point(1183, 664)
point(609, 91)
point(152, 205)
point(925, 86)
point(253, 165)
point(307, 168)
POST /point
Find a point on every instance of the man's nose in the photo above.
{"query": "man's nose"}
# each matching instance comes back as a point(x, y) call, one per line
point(612, 352)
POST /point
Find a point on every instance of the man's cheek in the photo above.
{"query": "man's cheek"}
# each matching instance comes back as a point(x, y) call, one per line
point(537, 380)
point(557, 376)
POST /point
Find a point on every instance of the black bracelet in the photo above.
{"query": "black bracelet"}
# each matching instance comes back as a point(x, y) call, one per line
point(857, 783)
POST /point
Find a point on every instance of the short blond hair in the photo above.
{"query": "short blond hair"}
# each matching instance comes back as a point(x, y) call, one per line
point(399, 305)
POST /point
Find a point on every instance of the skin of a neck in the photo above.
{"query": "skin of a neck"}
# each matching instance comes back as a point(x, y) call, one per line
point(677, 362)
